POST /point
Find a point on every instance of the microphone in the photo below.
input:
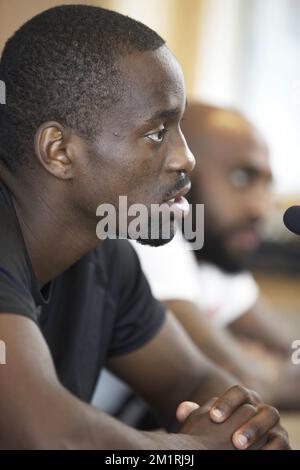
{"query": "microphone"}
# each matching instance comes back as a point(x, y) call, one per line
point(291, 219)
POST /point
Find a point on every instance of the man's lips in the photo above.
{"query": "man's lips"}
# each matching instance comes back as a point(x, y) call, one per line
point(246, 238)
point(178, 203)
point(180, 207)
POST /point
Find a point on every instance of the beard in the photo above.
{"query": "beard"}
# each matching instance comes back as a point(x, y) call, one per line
point(163, 228)
point(163, 235)
point(215, 251)
point(159, 228)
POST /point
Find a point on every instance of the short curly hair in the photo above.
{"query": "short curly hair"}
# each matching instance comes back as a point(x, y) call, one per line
point(63, 65)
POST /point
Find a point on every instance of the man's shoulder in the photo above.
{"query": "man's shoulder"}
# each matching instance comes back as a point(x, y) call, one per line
point(10, 240)
point(15, 276)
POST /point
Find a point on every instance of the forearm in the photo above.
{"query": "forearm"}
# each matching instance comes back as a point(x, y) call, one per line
point(216, 344)
point(106, 432)
point(61, 421)
point(223, 349)
point(86, 427)
point(119, 436)
point(263, 324)
point(285, 390)
point(215, 383)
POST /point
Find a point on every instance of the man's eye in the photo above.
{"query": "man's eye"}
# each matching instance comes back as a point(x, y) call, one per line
point(239, 178)
point(158, 136)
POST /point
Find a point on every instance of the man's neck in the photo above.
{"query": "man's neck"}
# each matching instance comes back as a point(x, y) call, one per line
point(55, 239)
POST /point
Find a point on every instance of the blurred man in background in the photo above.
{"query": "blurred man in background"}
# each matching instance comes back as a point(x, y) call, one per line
point(217, 299)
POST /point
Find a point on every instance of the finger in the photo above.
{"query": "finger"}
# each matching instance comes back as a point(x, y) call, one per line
point(256, 427)
point(278, 441)
point(231, 400)
point(185, 409)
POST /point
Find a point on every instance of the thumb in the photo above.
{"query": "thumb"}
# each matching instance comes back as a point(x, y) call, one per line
point(185, 409)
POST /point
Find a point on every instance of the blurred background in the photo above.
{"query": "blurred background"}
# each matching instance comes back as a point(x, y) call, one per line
point(240, 53)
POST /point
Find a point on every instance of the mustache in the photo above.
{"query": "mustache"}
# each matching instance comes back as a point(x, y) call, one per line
point(181, 183)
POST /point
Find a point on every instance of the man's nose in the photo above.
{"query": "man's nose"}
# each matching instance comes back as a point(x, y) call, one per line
point(260, 205)
point(181, 159)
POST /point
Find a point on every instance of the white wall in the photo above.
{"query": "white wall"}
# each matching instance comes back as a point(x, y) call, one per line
point(250, 58)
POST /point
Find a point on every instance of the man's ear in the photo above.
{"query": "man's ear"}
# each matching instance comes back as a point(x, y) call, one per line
point(51, 148)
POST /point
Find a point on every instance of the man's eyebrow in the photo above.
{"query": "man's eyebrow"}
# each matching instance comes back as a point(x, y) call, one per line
point(166, 113)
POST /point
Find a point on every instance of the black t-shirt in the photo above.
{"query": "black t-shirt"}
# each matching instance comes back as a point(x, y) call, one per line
point(101, 306)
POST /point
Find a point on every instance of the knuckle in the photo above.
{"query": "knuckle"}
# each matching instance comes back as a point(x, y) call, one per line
point(240, 390)
point(250, 409)
point(255, 397)
point(272, 412)
point(283, 434)
point(281, 439)
point(275, 413)
point(247, 412)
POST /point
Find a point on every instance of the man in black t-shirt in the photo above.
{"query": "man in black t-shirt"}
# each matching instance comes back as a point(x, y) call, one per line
point(93, 310)
point(94, 103)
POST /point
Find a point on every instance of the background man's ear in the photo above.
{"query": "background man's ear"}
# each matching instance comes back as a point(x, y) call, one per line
point(51, 148)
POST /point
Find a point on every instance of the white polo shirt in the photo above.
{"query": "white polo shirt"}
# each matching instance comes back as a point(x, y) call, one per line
point(174, 274)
